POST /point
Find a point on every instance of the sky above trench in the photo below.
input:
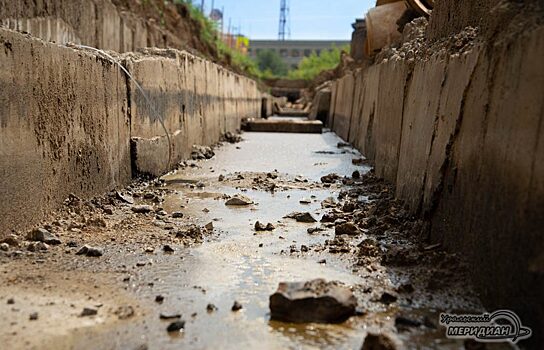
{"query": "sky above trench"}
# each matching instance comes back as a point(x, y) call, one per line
point(309, 19)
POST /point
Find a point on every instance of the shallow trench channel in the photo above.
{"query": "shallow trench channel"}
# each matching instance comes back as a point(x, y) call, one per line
point(236, 263)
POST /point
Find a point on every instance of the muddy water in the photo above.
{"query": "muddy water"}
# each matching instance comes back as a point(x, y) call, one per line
point(237, 264)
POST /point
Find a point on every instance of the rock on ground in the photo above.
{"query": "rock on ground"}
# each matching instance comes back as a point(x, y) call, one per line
point(380, 341)
point(239, 199)
point(42, 235)
point(313, 301)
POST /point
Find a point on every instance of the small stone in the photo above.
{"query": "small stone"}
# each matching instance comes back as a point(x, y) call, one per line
point(37, 246)
point(387, 298)
point(356, 175)
point(236, 306)
point(221, 178)
point(209, 226)
point(177, 215)
point(211, 308)
point(259, 226)
point(11, 301)
point(168, 249)
point(175, 326)
point(149, 249)
point(42, 235)
point(4, 247)
point(304, 248)
point(200, 184)
point(90, 251)
point(164, 316)
point(12, 240)
point(33, 316)
point(305, 201)
point(88, 312)
point(142, 209)
point(305, 217)
point(312, 230)
point(239, 200)
point(124, 197)
point(159, 299)
point(347, 228)
point(322, 261)
point(331, 178)
point(357, 161)
point(270, 227)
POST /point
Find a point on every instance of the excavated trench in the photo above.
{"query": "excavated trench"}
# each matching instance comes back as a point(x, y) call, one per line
point(231, 262)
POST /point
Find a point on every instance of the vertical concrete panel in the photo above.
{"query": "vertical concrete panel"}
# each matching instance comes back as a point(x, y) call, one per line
point(357, 108)
point(419, 125)
point(344, 104)
point(387, 126)
point(364, 139)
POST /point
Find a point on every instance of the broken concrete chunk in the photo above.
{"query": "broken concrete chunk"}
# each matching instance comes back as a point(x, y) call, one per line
point(313, 301)
point(239, 200)
point(90, 251)
point(42, 235)
point(209, 226)
point(236, 306)
point(88, 312)
point(124, 197)
point(4, 247)
point(305, 201)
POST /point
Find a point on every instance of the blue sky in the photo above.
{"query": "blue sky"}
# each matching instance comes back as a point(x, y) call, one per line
point(310, 19)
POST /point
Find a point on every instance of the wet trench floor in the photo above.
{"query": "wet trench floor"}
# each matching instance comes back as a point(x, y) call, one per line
point(233, 263)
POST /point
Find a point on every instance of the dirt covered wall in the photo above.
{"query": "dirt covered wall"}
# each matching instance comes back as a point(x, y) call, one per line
point(197, 100)
point(458, 128)
point(64, 128)
point(67, 119)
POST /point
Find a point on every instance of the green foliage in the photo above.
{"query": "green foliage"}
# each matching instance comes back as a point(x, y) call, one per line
point(311, 66)
point(271, 64)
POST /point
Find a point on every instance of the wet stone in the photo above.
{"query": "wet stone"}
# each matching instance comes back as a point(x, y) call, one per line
point(302, 217)
point(4, 247)
point(142, 209)
point(175, 326)
point(313, 301)
point(331, 178)
point(177, 215)
point(42, 235)
point(347, 228)
point(211, 308)
point(88, 312)
point(239, 200)
point(236, 306)
point(168, 316)
point(263, 227)
point(87, 250)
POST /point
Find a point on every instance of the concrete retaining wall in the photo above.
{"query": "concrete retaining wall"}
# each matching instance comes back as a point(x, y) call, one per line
point(461, 137)
point(96, 23)
point(197, 100)
point(63, 128)
point(67, 119)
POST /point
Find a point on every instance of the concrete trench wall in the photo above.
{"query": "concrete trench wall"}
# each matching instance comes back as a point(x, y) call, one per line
point(67, 118)
point(461, 137)
point(197, 100)
point(96, 23)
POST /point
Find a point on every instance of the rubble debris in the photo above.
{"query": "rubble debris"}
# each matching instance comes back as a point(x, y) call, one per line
point(239, 200)
point(302, 217)
point(33, 316)
point(347, 228)
point(262, 227)
point(168, 249)
point(124, 197)
point(165, 316)
point(202, 152)
point(305, 201)
point(175, 326)
point(37, 246)
point(211, 308)
point(231, 137)
point(331, 178)
point(87, 250)
point(43, 235)
point(236, 306)
point(87, 311)
point(4, 247)
point(313, 301)
point(177, 215)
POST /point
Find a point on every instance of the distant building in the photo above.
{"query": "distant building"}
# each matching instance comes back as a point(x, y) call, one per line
point(293, 51)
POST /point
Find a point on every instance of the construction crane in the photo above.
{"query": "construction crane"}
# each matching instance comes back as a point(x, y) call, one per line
point(285, 26)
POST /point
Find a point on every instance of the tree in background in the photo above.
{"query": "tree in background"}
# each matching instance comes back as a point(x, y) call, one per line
point(311, 66)
point(270, 64)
